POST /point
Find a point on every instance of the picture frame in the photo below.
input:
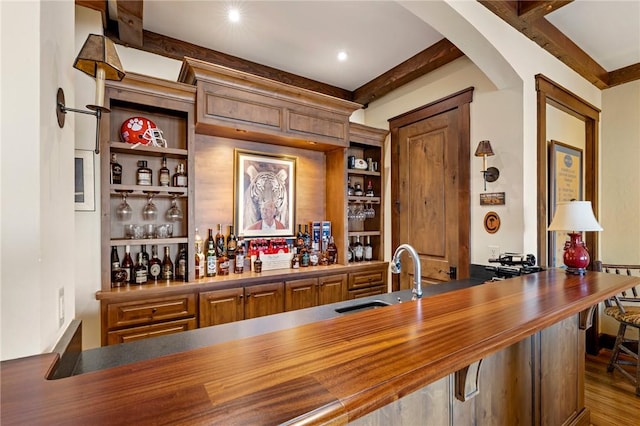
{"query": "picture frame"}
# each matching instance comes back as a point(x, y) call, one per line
point(264, 185)
point(566, 176)
point(84, 196)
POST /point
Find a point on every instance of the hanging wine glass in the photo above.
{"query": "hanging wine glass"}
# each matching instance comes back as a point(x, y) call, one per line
point(174, 213)
point(150, 211)
point(124, 210)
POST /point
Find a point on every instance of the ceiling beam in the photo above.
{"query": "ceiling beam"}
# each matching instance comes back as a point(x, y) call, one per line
point(431, 58)
point(624, 75)
point(130, 22)
point(99, 5)
point(535, 9)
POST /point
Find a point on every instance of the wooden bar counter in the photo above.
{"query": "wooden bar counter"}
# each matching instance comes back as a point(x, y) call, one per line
point(360, 367)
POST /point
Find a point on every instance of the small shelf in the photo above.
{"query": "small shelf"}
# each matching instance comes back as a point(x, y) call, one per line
point(363, 199)
point(357, 172)
point(140, 190)
point(364, 233)
point(127, 148)
point(147, 241)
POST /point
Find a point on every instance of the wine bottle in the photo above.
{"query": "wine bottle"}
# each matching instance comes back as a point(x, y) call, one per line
point(200, 258)
point(307, 237)
point(299, 237)
point(140, 271)
point(350, 252)
point(127, 265)
point(115, 259)
point(232, 246)
point(181, 264)
point(358, 250)
point(211, 255)
point(368, 249)
point(145, 257)
point(116, 170)
point(350, 189)
point(155, 265)
point(220, 243)
point(369, 191)
point(332, 251)
point(167, 265)
point(164, 175)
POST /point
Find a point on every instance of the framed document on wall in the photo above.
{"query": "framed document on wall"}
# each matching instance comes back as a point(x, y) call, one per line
point(565, 184)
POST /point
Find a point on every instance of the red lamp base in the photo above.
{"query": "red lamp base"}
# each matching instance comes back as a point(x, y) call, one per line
point(576, 256)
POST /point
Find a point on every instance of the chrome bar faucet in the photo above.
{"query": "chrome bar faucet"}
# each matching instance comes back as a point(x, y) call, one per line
point(417, 273)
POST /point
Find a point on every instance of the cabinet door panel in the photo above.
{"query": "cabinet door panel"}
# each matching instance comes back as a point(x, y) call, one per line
point(301, 294)
point(332, 289)
point(147, 331)
point(264, 299)
point(221, 306)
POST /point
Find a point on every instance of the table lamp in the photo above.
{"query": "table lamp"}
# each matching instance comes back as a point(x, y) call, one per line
point(575, 217)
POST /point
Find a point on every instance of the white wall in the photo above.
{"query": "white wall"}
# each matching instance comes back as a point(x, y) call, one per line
point(37, 175)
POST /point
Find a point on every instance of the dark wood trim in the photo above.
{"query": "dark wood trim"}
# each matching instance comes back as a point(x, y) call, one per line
point(532, 10)
point(130, 14)
point(554, 94)
point(624, 75)
point(433, 57)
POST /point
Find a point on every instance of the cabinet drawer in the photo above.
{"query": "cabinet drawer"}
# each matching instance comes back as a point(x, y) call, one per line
point(153, 330)
point(138, 312)
point(366, 279)
point(366, 292)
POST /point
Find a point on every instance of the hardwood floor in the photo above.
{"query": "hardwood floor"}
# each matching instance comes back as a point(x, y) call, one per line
point(610, 396)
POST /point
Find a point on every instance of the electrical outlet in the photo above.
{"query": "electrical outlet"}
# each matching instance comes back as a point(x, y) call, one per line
point(61, 307)
point(494, 252)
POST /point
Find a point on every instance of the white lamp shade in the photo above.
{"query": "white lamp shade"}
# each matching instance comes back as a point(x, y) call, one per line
point(574, 216)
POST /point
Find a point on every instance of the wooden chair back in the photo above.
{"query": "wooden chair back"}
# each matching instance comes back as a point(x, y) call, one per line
point(630, 295)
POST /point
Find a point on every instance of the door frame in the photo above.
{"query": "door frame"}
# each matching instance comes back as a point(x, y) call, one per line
point(459, 100)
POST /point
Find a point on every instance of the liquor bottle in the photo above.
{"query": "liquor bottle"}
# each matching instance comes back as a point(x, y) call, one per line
point(220, 243)
point(368, 249)
point(144, 176)
point(127, 265)
point(145, 257)
point(241, 254)
point(369, 191)
point(314, 257)
point(140, 271)
point(257, 264)
point(223, 264)
point(358, 190)
point(155, 265)
point(350, 189)
point(164, 175)
point(307, 237)
point(304, 257)
point(180, 177)
point(181, 264)
point(116, 170)
point(115, 259)
point(211, 255)
point(299, 237)
point(167, 265)
point(350, 252)
point(200, 259)
point(117, 273)
point(295, 262)
point(332, 251)
point(358, 250)
point(232, 246)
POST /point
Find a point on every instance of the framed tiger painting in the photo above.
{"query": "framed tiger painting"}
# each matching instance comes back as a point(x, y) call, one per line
point(264, 194)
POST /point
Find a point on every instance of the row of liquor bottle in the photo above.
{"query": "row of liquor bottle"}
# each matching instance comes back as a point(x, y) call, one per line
point(358, 252)
point(144, 174)
point(148, 268)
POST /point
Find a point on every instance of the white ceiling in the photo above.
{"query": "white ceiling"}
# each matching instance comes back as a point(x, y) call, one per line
point(304, 37)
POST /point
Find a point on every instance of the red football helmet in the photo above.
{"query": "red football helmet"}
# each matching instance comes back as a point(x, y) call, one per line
point(140, 130)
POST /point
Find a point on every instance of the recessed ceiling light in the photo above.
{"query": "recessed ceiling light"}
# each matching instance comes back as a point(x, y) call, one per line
point(234, 15)
point(342, 56)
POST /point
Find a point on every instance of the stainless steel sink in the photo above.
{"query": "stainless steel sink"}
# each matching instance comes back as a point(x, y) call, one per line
point(372, 304)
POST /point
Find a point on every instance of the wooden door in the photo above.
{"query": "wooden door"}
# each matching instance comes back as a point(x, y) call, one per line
point(221, 306)
point(299, 294)
point(430, 189)
point(264, 299)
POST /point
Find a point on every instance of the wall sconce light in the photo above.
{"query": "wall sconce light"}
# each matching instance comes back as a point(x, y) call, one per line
point(491, 174)
point(575, 217)
point(99, 59)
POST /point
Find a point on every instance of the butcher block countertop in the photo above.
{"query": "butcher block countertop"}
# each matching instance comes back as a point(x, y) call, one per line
point(331, 370)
